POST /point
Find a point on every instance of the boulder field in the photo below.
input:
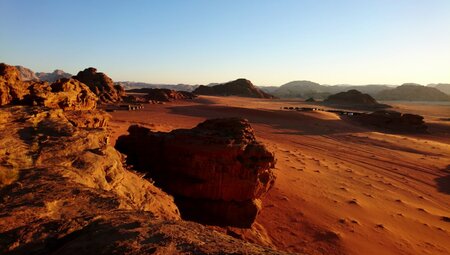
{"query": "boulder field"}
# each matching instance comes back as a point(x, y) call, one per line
point(216, 171)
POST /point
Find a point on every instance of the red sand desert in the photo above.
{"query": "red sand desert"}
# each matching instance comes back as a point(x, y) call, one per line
point(341, 188)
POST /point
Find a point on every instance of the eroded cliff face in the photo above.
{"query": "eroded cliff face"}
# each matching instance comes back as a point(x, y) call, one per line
point(216, 171)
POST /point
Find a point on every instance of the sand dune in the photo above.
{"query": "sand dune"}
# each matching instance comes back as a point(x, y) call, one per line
point(341, 188)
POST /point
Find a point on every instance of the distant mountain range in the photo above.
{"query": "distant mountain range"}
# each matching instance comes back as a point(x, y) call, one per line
point(413, 92)
point(293, 89)
point(444, 87)
point(405, 92)
point(27, 74)
point(308, 89)
point(128, 85)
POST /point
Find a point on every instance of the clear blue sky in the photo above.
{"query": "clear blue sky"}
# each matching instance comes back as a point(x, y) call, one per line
point(203, 41)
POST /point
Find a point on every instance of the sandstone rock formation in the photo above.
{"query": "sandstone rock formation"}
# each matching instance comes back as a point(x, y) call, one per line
point(12, 88)
point(239, 87)
point(164, 95)
point(394, 121)
point(354, 99)
point(217, 171)
point(100, 84)
point(54, 76)
point(66, 94)
point(64, 190)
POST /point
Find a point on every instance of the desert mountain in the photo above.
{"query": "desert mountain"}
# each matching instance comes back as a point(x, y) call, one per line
point(54, 76)
point(239, 87)
point(444, 87)
point(27, 74)
point(353, 98)
point(413, 92)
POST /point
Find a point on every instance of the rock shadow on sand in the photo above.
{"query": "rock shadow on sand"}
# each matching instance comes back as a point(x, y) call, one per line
point(285, 122)
point(443, 183)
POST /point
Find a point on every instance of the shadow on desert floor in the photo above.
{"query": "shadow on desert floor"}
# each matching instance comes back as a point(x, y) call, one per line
point(443, 183)
point(282, 121)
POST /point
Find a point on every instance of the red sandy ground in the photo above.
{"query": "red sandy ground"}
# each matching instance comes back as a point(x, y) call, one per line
point(341, 188)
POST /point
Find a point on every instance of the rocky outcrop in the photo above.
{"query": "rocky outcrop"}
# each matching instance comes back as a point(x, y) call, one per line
point(393, 121)
point(216, 171)
point(100, 84)
point(12, 88)
point(54, 76)
point(66, 94)
point(64, 190)
point(239, 87)
point(354, 99)
point(164, 95)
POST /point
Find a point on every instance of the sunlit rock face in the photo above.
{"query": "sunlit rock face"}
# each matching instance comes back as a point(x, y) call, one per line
point(12, 88)
point(100, 84)
point(66, 94)
point(216, 171)
point(64, 190)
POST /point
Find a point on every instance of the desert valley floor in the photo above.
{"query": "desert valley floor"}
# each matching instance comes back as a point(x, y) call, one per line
point(341, 188)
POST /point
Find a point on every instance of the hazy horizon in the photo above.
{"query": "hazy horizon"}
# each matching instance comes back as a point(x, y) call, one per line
point(199, 42)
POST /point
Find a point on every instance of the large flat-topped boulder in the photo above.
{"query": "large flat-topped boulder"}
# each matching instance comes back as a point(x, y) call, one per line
point(216, 171)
